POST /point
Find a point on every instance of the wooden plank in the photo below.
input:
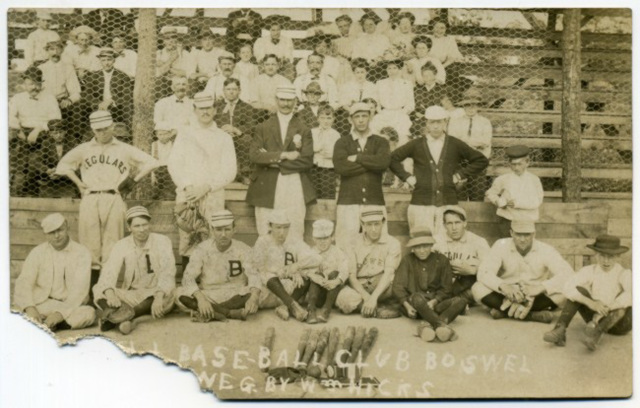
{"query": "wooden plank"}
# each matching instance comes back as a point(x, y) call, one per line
point(622, 173)
point(501, 71)
point(621, 209)
point(556, 143)
point(496, 51)
point(494, 93)
point(554, 116)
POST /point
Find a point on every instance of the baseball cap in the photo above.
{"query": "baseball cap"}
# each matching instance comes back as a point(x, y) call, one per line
point(221, 218)
point(226, 55)
point(279, 217)
point(202, 100)
point(371, 213)
point(163, 125)
point(52, 222)
point(100, 119)
point(138, 211)
point(286, 92)
point(322, 228)
point(523, 227)
point(359, 107)
point(455, 209)
point(517, 151)
point(436, 113)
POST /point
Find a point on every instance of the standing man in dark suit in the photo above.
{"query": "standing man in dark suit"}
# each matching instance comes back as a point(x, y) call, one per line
point(245, 26)
point(437, 171)
point(282, 150)
point(360, 158)
point(110, 89)
point(45, 160)
point(237, 118)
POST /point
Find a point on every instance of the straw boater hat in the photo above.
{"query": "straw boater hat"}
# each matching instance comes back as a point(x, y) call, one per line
point(371, 213)
point(221, 218)
point(107, 53)
point(202, 100)
point(52, 222)
point(608, 244)
point(421, 237)
point(286, 92)
point(138, 211)
point(83, 29)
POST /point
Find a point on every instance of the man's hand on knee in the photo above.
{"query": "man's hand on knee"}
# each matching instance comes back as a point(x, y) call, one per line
point(33, 313)
point(53, 319)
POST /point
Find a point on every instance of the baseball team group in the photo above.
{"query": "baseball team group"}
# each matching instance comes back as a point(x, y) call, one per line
point(353, 265)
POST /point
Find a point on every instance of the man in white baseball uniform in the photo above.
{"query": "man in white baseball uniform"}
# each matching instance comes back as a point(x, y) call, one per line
point(373, 260)
point(464, 249)
point(284, 263)
point(148, 268)
point(220, 281)
point(202, 162)
point(106, 167)
point(53, 287)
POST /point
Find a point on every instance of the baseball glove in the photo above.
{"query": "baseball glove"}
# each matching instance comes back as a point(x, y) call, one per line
point(189, 219)
point(126, 186)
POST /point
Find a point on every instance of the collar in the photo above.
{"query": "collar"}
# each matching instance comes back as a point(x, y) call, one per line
point(381, 241)
point(65, 249)
point(113, 141)
point(535, 247)
point(282, 116)
point(616, 268)
point(431, 139)
point(356, 136)
point(147, 245)
point(462, 239)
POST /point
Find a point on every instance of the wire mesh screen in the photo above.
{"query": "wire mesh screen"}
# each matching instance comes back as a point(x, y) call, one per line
point(497, 72)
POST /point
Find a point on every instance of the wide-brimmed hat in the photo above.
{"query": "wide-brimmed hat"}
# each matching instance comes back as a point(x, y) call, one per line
point(203, 100)
point(421, 237)
point(608, 244)
point(83, 29)
point(470, 99)
point(107, 52)
point(517, 151)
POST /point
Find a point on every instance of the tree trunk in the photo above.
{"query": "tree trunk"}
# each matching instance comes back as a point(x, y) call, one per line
point(571, 103)
point(144, 90)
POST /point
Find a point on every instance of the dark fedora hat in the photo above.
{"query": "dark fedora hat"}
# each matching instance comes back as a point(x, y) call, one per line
point(608, 244)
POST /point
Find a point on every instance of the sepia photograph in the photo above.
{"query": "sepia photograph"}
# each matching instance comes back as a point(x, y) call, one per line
point(329, 203)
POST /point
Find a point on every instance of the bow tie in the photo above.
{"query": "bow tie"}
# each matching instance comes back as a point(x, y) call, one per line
point(275, 42)
point(315, 77)
point(33, 98)
point(179, 101)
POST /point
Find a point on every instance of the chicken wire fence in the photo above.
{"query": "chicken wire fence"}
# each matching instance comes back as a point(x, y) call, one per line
point(497, 72)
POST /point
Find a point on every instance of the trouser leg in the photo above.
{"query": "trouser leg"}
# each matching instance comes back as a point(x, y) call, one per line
point(312, 297)
point(624, 325)
point(450, 309)
point(568, 311)
point(543, 302)
point(493, 300)
point(275, 286)
point(611, 320)
point(420, 303)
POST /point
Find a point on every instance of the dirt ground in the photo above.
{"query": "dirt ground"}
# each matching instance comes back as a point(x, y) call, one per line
point(490, 359)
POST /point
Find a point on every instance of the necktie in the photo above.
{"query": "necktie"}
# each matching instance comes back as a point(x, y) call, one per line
point(361, 92)
point(470, 126)
point(275, 42)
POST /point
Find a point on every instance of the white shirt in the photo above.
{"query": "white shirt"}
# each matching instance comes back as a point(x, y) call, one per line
point(435, 146)
point(215, 87)
point(59, 79)
point(36, 41)
point(161, 151)
point(204, 62)
point(264, 46)
point(284, 124)
point(526, 192)
point(354, 91)
point(327, 84)
point(106, 94)
point(370, 46)
point(104, 166)
point(27, 112)
point(415, 66)
point(396, 94)
point(470, 248)
point(476, 131)
point(247, 71)
point(613, 288)
point(265, 87)
point(330, 67)
point(169, 110)
point(86, 60)
point(368, 259)
point(323, 142)
point(202, 155)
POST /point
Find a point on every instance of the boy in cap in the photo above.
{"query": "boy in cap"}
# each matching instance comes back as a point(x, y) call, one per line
point(201, 163)
point(34, 50)
point(601, 292)
point(437, 172)
point(308, 110)
point(332, 274)
point(226, 68)
point(315, 63)
point(423, 286)
point(324, 140)
point(360, 158)
point(29, 113)
point(476, 131)
point(284, 264)
point(373, 259)
point(220, 281)
point(105, 165)
point(110, 89)
point(521, 277)
point(53, 287)
point(517, 194)
point(464, 249)
point(282, 152)
point(149, 277)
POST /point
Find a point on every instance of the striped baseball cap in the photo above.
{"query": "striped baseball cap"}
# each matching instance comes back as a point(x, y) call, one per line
point(286, 92)
point(371, 213)
point(221, 218)
point(138, 211)
point(203, 100)
point(100, 119)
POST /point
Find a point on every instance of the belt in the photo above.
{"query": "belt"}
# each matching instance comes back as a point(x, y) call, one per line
point(103, 192)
